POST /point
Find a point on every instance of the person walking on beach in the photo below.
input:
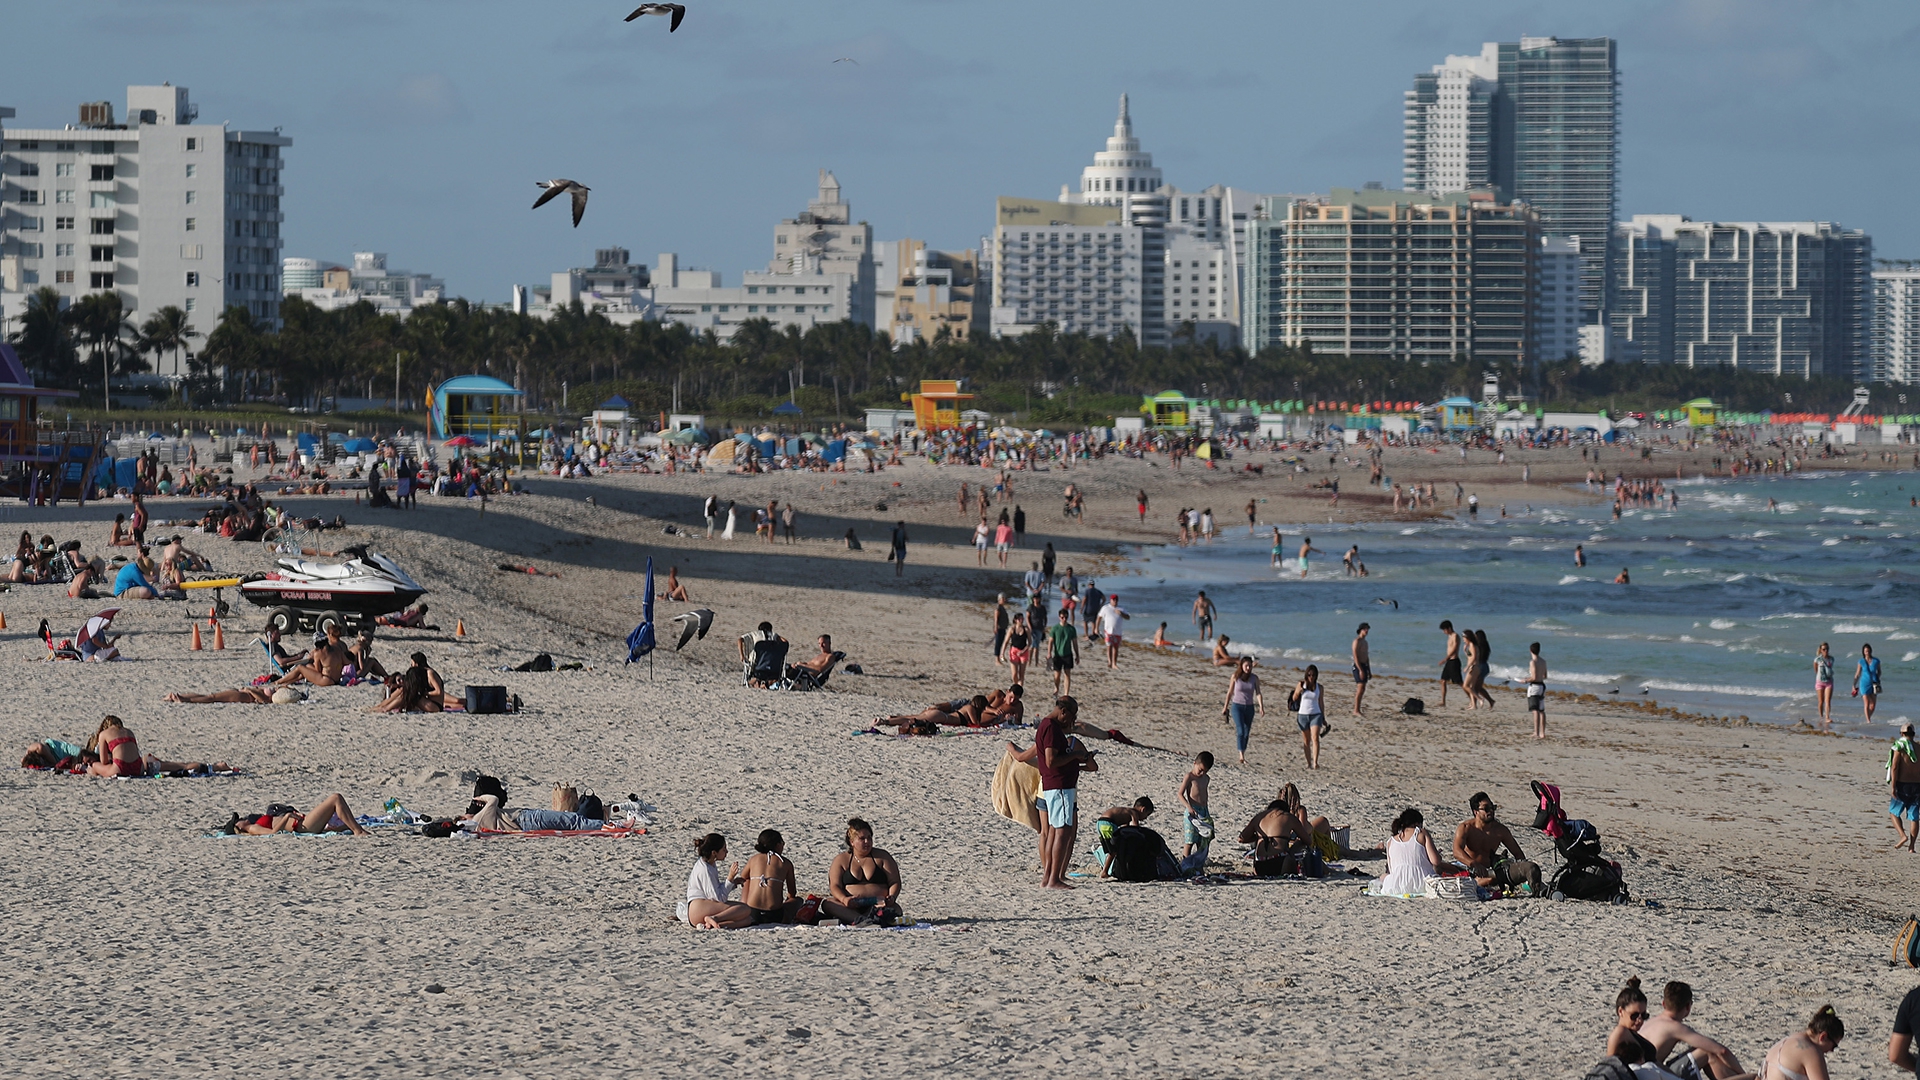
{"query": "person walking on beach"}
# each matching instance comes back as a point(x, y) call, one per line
point(1450, 663)
point(1109, 619)
point(963, 498)
point(1823, 683)
point(1306, 549)
point(1036, 584)
point(1350, 559)
point(1140, 501)
point(897, 553)
point(1063, 650)
point(1243, 702)
point(1198, 819)
point(1002, 619)
point(1090, 605)
point(1310, 715)
point(1473, 507)
point(981, 534)
point(787, 518)
point(1252, 511)
point(1903, 789)
point(1362, 669)
point(1866, 680)
point(711, 511)
point(1203, 613)
point(728, 534)
point(1019, 525)
point(1537, 691)
point(1003, 540)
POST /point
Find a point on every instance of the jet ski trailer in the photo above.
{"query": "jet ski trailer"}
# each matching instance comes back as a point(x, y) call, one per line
point(303, 593)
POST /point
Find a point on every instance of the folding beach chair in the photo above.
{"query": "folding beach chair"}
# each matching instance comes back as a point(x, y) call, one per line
point(768, 664)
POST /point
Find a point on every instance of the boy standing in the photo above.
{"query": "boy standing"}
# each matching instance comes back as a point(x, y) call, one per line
point(1199, 822)
point(1064, 649)
point(1537, 691)
point(1362, 667)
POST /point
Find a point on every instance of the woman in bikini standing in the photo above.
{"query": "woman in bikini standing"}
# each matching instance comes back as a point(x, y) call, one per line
point(864, 880)
point(1019, 649)
point(769, 888)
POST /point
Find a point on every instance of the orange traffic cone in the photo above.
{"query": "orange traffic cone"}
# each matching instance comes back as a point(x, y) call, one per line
point(459, 628)
point(3, 620)
point(195, 647)
point(219, 636)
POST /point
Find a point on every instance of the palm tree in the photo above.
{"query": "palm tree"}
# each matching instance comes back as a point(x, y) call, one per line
point(101, 320)
point(42, 340)
point(166, 330)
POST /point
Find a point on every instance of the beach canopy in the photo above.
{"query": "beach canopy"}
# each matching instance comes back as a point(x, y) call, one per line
point(787, 408)
point(460, 440)
point(358, 446)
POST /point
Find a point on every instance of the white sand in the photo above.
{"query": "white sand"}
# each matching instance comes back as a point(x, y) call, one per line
point(138, 947)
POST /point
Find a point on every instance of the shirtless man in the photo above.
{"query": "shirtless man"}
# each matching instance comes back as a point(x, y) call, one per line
point(821, 663)
point(960, 712)
point(1450, 663)
point(1306, 549)
point(1669, 1028)
point(1477, 844)
point(1362, 667)
point(1351, 560)
point(1537, 691)
point(323, 666)
point(1203, 613)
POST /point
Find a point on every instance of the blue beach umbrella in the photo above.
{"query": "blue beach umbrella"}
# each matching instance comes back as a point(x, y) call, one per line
point(640, 642)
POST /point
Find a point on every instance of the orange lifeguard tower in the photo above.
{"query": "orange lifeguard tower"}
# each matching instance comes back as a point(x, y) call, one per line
point(937, 406)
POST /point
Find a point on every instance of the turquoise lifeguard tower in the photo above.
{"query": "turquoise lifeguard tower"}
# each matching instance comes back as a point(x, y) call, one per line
point(478, 406)
point(1457, 414)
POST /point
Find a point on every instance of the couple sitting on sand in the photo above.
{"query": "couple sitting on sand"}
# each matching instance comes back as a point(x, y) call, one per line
point(112, 750)
point(1287, 840)
point(1663, 1047)
point(1414, 862)
point(992, 709)
point(863, 882)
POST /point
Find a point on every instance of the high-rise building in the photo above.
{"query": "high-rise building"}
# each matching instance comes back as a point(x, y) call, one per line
point(1781, 297)
point(1556, 300)
point(1073, 265)
point(1538, 120)
point(921, 291)
point(161, 210)
point(1399, 274)
point(824, 240)
point(1896, 324)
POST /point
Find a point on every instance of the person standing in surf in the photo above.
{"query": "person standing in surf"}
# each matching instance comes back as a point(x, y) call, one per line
point(1866, 680)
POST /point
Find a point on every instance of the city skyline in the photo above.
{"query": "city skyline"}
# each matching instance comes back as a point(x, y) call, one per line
point(411, 126)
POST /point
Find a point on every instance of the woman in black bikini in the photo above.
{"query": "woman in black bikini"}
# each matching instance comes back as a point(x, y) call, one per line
point(864, 880)
point(769, 888)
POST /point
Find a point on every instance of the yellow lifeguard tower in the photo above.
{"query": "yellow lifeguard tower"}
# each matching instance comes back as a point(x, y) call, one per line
point(1167, 409)
point(937, 406)
point(1702, 412)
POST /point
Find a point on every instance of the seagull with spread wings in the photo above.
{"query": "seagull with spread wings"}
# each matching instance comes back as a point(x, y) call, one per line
point(555, 187)
point(677, 11)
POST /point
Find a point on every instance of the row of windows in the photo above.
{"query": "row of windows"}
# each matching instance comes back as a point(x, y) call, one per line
point(798, 289)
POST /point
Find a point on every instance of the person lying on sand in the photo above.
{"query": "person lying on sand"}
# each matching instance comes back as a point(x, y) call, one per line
point(491, 817)
point(413, 618)
point(864, 880)
point(331, 815)
point(960, 712)
point(239, 695)
point(48, 753)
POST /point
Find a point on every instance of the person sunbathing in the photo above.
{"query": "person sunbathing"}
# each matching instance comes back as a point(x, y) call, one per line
point(324, 665)
point(823, 662)
point(768, 884)
point(675, 590)
point(492, 817)
point(24, 570)
point(118, 754)
point(286, 659)
point(239, 695)
point(85, 574)
point(960, 712)
point(1276, 832)
point(48, 753)
point(1221, 657)
point(330, 816)
point(360, 659)
point(120, 537)
point(413, 618)
point(864, 880)
point(1006, 706)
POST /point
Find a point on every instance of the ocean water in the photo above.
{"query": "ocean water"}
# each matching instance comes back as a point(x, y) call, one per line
point(1728, 602)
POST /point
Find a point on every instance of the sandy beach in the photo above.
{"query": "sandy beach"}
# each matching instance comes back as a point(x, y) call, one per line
point(1760, 858)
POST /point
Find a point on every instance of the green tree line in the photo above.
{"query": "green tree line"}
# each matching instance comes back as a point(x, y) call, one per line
point(579, 356)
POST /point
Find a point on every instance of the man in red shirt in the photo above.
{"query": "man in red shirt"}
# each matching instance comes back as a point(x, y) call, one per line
point(1060, 760)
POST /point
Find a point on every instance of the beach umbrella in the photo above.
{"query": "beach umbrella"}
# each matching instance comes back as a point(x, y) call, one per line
point(640, 642)
point(460, 440)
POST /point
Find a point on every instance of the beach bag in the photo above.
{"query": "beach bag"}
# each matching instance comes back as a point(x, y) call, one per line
point(1599, 882)
point(566, 798)
point(1133, 854)
point(486, 699)
point(1414, 707)
point(1906, 947)
point(543, 662)
point(592, 808)
point(1460, 887)
point(1611, 1068)
point(1293, 699)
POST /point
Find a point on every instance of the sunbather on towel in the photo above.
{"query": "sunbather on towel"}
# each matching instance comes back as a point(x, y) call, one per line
point(864, 880)
point(707, 906)
point(239, 695)
point(960, 712)
point(412, 618)
point(332, 815)
point(47, 753)
point(492, 818)
point(118, 754)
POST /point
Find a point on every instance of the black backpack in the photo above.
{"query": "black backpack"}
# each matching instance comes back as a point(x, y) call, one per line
point(1133, 854)
point(592, 808)
point(542, 662)
point(1610, 1068)
point(1600, 882)
point(1414, 707)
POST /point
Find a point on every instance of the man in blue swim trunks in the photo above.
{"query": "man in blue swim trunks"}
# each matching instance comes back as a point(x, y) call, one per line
point(1903, 789)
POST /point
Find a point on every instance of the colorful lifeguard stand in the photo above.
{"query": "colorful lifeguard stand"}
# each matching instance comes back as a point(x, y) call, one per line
point(1702, 412)
point(1457, 414)
point(35, 465)
point(1167, 409)
point(478, 406)
point(937, 406)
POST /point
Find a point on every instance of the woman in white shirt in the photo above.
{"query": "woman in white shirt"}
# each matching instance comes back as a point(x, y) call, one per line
point(707, 906)
point(981, 533)
point(1312, 717)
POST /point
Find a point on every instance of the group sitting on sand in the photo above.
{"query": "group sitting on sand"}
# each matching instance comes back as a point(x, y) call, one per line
point(863, 885)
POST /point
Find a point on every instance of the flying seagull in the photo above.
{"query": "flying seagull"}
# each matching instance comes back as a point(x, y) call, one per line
point(555, 187)
point(848, 60)
point(697, 620)
point(678, 11)
point(1383, 603)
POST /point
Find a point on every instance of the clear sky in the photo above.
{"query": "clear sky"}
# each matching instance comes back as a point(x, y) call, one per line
point(419, 126)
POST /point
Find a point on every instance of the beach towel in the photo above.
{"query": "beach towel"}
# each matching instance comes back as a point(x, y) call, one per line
point(1015, 787)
